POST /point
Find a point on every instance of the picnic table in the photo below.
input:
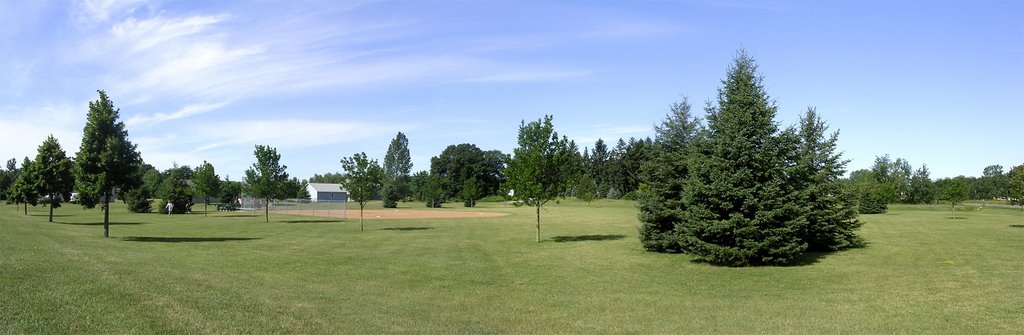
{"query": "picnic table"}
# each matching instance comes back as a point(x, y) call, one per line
point(225, 207)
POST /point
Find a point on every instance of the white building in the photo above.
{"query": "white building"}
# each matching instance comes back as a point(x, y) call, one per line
point(326, 192)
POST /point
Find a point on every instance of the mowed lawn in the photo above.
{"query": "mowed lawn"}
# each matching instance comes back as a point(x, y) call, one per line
point(233, 273)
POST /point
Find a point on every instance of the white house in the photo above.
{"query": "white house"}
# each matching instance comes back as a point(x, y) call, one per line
point(326, 192)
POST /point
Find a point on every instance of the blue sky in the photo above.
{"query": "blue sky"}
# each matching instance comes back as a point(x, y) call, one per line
point(939, 83)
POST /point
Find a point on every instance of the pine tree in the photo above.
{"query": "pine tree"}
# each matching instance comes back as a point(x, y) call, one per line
point(106, 160)
point(739, 208)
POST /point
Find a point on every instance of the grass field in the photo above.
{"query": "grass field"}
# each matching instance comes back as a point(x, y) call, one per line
point(922, 273)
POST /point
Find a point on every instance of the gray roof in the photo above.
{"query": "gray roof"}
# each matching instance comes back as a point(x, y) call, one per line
point(326, 187)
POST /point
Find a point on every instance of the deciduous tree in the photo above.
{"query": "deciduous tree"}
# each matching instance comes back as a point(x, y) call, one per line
point(106, 160)
point(955, 192)
point(542, 168)
point(363, 177)
point(206, 183)
point(54, 173)
point(267, 177)
point(22, 191)
point(1016, 185)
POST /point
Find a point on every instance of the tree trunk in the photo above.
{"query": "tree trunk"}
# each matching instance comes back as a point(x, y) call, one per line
point(106, 215)
point(538, 223)
point(954, 212)
point(266, 210)
point(206, 207)
point(52, 200)
point(361, 205)
point(26, 208)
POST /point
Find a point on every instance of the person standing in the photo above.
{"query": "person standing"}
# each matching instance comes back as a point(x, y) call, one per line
point(170, 207)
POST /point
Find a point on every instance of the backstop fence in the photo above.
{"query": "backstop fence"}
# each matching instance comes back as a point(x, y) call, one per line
point(325, 208)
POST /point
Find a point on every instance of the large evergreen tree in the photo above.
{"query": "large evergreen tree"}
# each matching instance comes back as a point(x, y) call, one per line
point(660, 203)
point(739, 207)
point(107, 160)
point(54, 173)
point(175, 190)
point(832, 211)
point(397, 165)
point(543, 167)
point(267, 177)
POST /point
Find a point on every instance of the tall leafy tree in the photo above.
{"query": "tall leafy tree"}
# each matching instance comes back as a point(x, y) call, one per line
point(993, 183)
point(955, 192)
point(206, 183)
point(463, 161)
point(54, 173)
point(267, 177)
point(740, 208)
point(542, 168)
point(660, 204)
point(23, 190)
point(832, 211)
point(363, 178)
point(106, 160)
point(1016, 185)
point(397, 165)
point(922, 189)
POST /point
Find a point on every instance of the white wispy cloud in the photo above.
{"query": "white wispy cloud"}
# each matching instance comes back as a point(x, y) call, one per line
point(184, 112)
point(94, 11)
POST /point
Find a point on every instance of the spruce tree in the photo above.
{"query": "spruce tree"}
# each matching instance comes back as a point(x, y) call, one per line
point(660, 204)
point(832, 216)
point(739, 209)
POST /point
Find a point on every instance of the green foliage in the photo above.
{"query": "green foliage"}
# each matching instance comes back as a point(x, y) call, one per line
point(328, 178)
point(7, 178)
point(493, 198)
point(230, 190)
point(53, 174)
point(470, 192)
point(23, 191)
point(206, 183)
point(659, 200)
point(138, 200)
point(954, 192)
point(871, 193)
point(740, 207)
point(922, 189)
point(267, 178)
point(176, 191)
point(543, 166)
point(1016, 185)
point(106, 158)
point(831, 207)
point(585, 188)
point(397, 165)
point(363, 178)
point(464, 161)
point(993, 184)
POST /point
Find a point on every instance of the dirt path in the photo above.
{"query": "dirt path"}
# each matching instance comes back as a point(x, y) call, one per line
point(392, 214)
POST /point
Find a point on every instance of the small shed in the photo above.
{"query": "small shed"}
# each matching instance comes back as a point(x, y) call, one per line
point(326, 192)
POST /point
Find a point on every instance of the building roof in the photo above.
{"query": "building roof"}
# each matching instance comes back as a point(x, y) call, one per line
point(319, 187)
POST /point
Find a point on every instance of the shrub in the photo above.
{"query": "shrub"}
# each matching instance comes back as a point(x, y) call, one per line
point(138, 201)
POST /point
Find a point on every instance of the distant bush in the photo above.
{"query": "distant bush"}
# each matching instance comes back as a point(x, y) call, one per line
point(138, 201)
point(631, 195)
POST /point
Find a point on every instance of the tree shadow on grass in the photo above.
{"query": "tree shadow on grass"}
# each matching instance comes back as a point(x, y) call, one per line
point(408, 228)
point(581, 238)
point(185, 239)
point(312, 221)
point(47, 215)
point(99, 223)
point(1017, 226)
